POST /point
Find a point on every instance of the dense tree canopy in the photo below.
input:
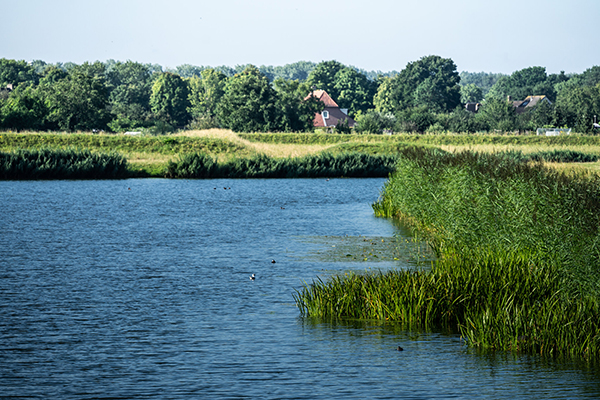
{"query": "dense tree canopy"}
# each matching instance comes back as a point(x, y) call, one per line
point(79, 101)
point(16, 72)
point(169, 99)
point(248, 104)
point(431, 81)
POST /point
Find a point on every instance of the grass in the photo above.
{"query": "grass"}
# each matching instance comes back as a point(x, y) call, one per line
point(321, 165)
point(62, 164)
point(150, 155)
point(518, 248)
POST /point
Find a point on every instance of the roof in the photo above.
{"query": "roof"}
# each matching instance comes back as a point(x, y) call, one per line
point(324, 97)
point(530, 101)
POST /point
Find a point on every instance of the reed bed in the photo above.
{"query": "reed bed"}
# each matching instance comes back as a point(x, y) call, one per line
point(202, 166)
point(518, 254)
point(61, 164)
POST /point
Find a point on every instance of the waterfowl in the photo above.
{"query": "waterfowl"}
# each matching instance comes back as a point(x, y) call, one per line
point(272, 261)
point(252, 277)
point(400, 348)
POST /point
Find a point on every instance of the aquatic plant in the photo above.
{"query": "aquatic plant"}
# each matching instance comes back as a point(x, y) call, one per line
point(518, 254)
point(61, 164)
point(261, 166)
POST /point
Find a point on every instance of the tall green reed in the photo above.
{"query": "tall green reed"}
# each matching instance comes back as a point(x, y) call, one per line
point(61, 164)
point(518, 255)
point(260, 166)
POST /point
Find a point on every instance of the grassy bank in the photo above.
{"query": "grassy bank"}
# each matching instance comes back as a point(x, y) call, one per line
point(518, 254)
point(150, 155)
point(62, 164)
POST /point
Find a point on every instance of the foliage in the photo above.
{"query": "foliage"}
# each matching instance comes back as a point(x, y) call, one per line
point(431, 81)
point(416, 119)
point(248, 104)
point(497, 115)
point(61, 164)
point(470, 93)
point(169, 99)
point(323, 77)
point(295, 113)
point(482, 80)
point(353, 90)
point(25, 108)
point(531, 81)
point(576, 107)
point(374, 122)
point(15, 72)
point(518, 253)
point(79, 101)
point(129, 99)
point(204, 96)
point(201, 166)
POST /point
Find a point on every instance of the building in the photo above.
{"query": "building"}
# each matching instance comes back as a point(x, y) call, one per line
point(332, 114)
point(473, 107)
point(529, 103)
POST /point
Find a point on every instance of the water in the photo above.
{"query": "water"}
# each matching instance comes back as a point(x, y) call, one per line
point(140, 289)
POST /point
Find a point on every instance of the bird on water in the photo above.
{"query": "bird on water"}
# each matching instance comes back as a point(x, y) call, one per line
point(252, 277)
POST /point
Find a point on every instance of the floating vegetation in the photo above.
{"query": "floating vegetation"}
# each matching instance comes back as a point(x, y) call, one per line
point(396, 250)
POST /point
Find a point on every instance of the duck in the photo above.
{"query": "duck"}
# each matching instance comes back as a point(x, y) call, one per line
point(272, 261)
point(252, 277)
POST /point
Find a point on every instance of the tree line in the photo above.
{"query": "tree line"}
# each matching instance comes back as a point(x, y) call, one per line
point(428, 95)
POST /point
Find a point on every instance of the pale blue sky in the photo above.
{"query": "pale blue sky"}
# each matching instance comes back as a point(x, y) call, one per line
point(491, 36)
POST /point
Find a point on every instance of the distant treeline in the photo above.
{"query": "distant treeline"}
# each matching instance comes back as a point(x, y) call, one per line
point(428, 95)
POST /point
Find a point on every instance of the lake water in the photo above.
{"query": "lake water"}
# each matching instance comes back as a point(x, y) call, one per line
point(140, 289)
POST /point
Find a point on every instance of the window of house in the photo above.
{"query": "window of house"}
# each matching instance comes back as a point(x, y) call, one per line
point(325, 114)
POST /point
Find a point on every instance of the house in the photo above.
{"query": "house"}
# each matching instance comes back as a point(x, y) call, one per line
point(529, 103)
point(332, 114)
point(473, 107)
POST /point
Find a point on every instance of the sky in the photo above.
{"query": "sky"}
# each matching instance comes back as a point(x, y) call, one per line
point(375, 35)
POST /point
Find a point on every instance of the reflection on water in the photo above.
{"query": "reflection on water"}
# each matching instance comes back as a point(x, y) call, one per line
point(141, 289)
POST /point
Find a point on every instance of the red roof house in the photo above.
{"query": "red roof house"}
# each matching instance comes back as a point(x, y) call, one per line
point(332, 114)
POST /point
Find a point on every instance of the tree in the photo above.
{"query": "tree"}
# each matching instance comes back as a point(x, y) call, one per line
point(323, 77)
point(470, 93)
point(531, 81)
point(576, 107)
point(188, 71)
point(169, 99)
point(16, 72)
point(205, 94)
point(384, 99)
point(431, 81)
point(295, 113)
point(79, 101)
point(497, 114)
point(354, 91)
point(248, 104)
point(129, 98)
point(483, 80)
point(374, 122)
point(25, 108)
